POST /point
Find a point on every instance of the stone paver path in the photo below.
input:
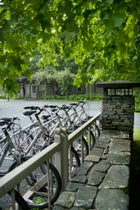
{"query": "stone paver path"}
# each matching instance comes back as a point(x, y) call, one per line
point(101, 182)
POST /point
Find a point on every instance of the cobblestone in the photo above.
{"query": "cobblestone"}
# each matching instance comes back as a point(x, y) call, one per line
point(102, 181)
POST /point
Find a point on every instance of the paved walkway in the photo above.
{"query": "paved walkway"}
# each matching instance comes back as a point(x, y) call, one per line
point(101, 182)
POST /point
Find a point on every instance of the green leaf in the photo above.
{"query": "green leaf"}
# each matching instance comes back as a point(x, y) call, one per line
point(117, 21)
point(110, 1)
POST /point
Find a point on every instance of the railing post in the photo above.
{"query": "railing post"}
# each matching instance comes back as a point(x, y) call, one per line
point(13, 199)
point(61, 157)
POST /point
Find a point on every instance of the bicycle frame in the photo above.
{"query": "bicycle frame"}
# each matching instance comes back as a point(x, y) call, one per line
point(9, 149)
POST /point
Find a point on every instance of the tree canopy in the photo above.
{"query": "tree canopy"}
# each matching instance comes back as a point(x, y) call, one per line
point(102, 36)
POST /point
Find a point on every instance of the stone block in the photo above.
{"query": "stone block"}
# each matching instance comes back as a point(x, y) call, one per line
point(104, 138)
point(111, 199)
point(101, 166)
point(85, 197)
point(66, 199)
point(96, 151)
point(79, 178)
point(108, 126)
point(120, 159)
point(93, 158)
point(120, 135)
point(124, 128)
point(84, 168)
point(119, 146)
point(101, 144)
point(116, 177)
point(73, 186)
point(95, 177)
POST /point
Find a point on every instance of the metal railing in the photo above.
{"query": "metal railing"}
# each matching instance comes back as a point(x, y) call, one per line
point(59, 148)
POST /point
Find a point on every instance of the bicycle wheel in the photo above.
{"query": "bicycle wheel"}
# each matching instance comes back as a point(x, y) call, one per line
point(21, 202)
point(90, 138)
point(75, 157)
point(32, 178)
point(74, 161)
point(23, 139)
point(81, 147)
point(85, 147)
point(48, 187)
point(93, 140)
point(95, 130)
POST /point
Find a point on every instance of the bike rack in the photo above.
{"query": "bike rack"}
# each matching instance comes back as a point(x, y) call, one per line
point(59, 148)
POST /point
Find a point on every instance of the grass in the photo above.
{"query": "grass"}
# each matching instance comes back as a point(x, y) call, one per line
point(137, 135)
point(135, 172)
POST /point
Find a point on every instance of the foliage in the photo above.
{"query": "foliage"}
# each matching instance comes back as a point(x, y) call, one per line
point(2, 96)
point(74, 97)
point(79, 97)
point(137, 104)
point(102, 36)
point(62, 78)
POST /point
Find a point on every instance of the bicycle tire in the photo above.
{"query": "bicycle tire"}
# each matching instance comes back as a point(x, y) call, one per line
point(20, 200)
point(91, 139)
point(31, 179)
point(76, 156)
point(84, 149)
point(54, 197)
point(97, 130)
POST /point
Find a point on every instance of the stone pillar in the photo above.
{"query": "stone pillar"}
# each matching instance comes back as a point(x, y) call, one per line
point(118, 106)
point(118, 112)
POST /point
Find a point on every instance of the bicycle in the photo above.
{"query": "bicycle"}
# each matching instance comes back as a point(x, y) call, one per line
point(46, 126)
point(62, 116)
point(64, 120)
point(82, 116)
point(34, 179)
point(71, 126)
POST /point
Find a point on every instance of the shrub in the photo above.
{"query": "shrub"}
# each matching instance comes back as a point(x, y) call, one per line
point(137, 104)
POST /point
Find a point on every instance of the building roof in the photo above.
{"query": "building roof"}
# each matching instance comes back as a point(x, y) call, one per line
point(118, 84)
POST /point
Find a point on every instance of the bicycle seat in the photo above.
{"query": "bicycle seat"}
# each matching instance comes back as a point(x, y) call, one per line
point(46, 117)
point(32, 107)
point(54, 109)
point(64, 107)
point(73, 104)
point(29, 113)
point(5, 120)
point(53, 106)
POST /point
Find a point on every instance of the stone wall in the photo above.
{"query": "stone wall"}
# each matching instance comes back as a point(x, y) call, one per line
point(118, 112)
point(102, 181)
